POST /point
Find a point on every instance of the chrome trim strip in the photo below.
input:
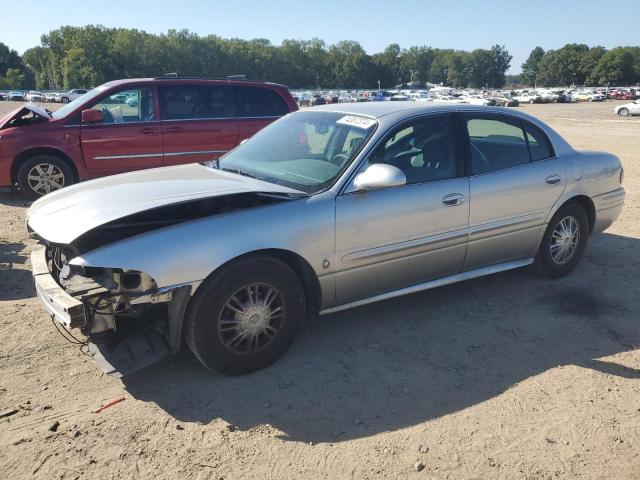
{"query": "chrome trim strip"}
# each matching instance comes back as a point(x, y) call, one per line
point(142, 155)
point(439, 282)
point(197, 152)
point(505, 226)
point(432, 242)
point(164, 120)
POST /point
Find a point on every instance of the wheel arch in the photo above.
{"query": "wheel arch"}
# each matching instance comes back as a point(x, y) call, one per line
point(27, 154)
point(300, 266)
point(587, 205)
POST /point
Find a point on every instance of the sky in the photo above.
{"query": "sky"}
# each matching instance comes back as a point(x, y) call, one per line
point(462, 24)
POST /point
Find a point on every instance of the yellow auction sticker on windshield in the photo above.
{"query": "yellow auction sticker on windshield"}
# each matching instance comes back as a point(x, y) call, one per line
point(359, 122)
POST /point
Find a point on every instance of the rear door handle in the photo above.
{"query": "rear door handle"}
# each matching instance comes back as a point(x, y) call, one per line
point(453, 199)
point(173, 129)
point(552, 179)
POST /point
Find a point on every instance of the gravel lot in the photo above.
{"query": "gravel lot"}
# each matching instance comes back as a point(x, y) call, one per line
point(509, 376)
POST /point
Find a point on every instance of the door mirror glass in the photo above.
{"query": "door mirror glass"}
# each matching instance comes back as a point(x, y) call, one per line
point(92, 115)
point(379, 175)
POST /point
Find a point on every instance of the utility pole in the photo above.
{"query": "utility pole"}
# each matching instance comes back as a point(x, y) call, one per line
point(378, 85)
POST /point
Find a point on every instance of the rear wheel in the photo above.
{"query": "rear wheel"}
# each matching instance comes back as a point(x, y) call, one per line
point(564, 242)
point(246, 317)
point(65, 100)
point(623, 112)
point(42, 174)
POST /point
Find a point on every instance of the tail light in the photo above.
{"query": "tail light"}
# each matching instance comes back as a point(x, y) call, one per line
point(621, 175)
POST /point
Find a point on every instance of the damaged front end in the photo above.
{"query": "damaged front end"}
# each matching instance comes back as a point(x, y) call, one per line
point(128, 321)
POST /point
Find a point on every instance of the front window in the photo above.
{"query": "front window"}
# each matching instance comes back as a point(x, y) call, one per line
point(134, 105)
point(425, 150)
point(71, 106)
point(306, 151)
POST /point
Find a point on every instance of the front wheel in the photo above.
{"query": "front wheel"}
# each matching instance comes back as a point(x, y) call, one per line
point(623, 112)
point(245, 317)
point(564, 242)
point(42, 174)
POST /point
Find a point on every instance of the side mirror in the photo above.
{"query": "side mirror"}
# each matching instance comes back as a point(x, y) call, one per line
point(92, 115)
point(379, 175)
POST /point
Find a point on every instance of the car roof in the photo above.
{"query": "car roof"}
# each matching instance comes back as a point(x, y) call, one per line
point(174, 80)
point(381, 109)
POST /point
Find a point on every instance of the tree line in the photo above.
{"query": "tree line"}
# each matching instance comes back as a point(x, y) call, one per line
point(578, 64)
point(75, 57)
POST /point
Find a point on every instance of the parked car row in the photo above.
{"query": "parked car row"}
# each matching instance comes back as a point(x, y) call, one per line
point(505, 98)
point(40, 97)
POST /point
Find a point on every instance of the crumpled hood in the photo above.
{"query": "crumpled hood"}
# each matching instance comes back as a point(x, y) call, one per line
point(23, 109)
point(62, 216)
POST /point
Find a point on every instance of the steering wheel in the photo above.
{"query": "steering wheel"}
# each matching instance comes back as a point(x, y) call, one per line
point(108, 116)
point(339, 159)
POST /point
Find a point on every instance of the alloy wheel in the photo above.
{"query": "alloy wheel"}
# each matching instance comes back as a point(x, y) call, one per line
point(45, 177)
point(564, 240)
point(251, 318)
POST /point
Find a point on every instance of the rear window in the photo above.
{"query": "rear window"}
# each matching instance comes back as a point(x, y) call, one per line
point(260, 102)
point(539, 144)
point(183, 102)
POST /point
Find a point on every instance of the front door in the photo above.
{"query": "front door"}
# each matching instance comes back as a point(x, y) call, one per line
point(129, 137)
point(198, 122)
point(397, 237)
point(515, 181)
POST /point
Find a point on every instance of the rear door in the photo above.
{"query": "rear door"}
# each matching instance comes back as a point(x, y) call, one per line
point(128, 138)
point(515, 181)
point(198, 121)
point(257, 107)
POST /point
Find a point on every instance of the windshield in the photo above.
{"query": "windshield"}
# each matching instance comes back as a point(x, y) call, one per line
point(71, 106)
point(306, 151)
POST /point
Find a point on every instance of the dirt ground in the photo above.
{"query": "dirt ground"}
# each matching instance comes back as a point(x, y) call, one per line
point(509, 376)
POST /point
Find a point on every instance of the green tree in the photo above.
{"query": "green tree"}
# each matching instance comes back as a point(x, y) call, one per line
point(531, 66)
point(14, 78)
point(616, 67)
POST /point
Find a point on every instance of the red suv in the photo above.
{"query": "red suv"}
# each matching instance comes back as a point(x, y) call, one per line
point(133, 124)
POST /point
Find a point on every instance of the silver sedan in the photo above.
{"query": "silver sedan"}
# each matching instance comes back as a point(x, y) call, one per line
point(324, 210)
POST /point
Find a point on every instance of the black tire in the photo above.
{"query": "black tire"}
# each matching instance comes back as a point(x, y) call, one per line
point(544, 262)
point(623, 112)
point(531, 102)
point(65, 100)
point(202, 329)
point(60, 167)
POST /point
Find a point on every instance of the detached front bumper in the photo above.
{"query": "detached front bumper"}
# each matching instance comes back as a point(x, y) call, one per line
point(65, 309)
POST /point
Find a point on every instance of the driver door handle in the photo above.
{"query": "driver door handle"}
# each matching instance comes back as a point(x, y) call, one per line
point(552, 179)
point(453, 199)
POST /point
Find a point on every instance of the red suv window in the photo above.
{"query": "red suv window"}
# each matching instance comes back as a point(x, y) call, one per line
point(260, 102)
point(180, 102)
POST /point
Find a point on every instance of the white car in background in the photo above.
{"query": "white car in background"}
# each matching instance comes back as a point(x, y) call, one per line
point(33, 96)
point(548, 96)
point(347, 98)
point(448, 99)
point(71, 95)
point(527, 97)
point(420, 97)
point(477, 100)
point(628, 109)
